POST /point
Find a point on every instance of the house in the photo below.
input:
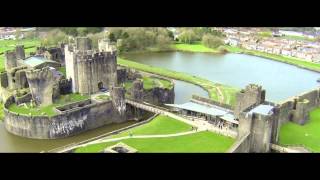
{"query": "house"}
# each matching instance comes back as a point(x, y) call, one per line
point(286, 52)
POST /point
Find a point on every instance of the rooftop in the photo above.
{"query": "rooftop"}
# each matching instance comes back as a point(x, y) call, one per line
point(210, 110)
point(36, 60)
point(262, 109)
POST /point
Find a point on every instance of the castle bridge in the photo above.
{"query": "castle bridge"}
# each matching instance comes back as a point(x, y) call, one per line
point(220, 124)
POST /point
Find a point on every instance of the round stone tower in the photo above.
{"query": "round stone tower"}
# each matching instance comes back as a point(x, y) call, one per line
point(10, 60)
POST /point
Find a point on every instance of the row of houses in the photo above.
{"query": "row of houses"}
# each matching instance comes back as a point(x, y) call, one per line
point(10, 33)
point(309, 51)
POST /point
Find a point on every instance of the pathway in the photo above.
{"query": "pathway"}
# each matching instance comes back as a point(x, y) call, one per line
point(104, 140)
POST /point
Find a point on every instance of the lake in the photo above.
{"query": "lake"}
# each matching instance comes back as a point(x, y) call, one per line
point(280, 80)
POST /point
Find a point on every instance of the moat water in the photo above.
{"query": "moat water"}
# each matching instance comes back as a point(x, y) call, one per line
point(280, 80)
point(13, 143)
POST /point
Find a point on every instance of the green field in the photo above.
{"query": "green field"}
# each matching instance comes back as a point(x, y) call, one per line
point(195, 47)
point(198, 47)
point(150, 83)
point(307, 135)
point(227, 91)
point(201, 142)
point(47, 110)
point(63, 70)
point(29, 44)
point(103, 97)
point(299, 38)
point(290, 60)
point(197, 142)
point(10, 44)
point(159, 125)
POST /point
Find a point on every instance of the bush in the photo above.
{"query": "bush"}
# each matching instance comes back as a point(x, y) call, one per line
point(54, 37)
point(211, 41)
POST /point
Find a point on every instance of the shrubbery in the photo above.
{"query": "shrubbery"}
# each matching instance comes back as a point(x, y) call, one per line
point(212, 41)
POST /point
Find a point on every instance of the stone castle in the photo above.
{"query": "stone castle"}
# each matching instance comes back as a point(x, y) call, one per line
point(37, 80)
point(91, 70)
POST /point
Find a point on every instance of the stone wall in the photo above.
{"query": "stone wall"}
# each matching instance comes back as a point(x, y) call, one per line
point(159, 96)
point(263, 129)
point(88, 69)
point(4, 80)
point(296, 109)
point(122, 75)
point(69, 123)
point(23, 99)
point(211, 102)
point(65, 86)
point(10, 60)
point(20, 52)
point(251, 95)
point(41, 84)
point(242, 145)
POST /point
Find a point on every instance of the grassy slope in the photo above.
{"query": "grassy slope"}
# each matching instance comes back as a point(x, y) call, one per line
point(29, 44)
point(290, 60)
point(307, 135)
point(159, 125)
point(195, 143)
point(195, 47)
point(10, 44)
point(228, 91)
point(63, 71)
point(48, 110)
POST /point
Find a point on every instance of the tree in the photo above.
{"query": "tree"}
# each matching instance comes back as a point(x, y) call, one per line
point(112, 37)
point(188, 36)
point(82, 31)
point(54, 37)
point(211, 41)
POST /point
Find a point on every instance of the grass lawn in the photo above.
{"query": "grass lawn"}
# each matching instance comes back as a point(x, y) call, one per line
point(290, 60)
point(159, 125)
point(228, 91)
point(63, 71)
point(103, 97)
point(48, 110)
point(150, 83)
point(307, 135)
point(299, 38)
point(193, 143)
point(29, 45)
point(10, 44)
point(195, 47)
point(198, 47)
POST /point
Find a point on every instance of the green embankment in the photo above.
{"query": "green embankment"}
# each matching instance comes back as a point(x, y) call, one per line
point(307, 135)
point(29, 45)
point(201, 142)
point(10, 44)
point(197, 142)
point(195, 47)
point(159, 125)
point(47, 110)
point(227, 91)
point(63, 71)
point(286, 59)
point(290, 60)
